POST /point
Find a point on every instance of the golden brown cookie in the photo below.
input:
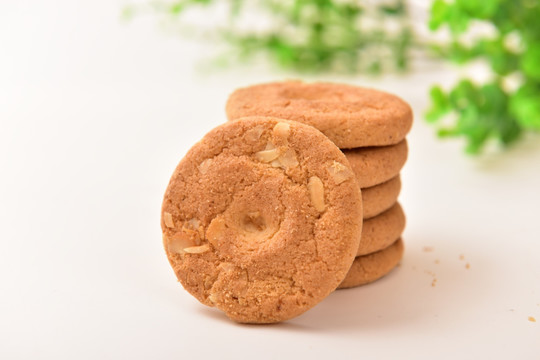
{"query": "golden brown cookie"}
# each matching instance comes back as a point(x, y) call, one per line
point(350, 116)
point(375, 165)
point(379, 198)
point(382, 230)
point(262, 219)
point(368, 268)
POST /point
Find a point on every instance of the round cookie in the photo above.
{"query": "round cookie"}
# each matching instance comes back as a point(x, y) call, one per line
point(262, 219)
point(375, 165)
point(350, 116)
point(379, 198)
point(368, 268)
point(382, 230)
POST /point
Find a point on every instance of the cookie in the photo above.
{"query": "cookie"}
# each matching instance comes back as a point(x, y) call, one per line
point(375, 165)
point(350, 116)
point(379, 198)
point(368, 268)
point(382, 230)
point(262, 219)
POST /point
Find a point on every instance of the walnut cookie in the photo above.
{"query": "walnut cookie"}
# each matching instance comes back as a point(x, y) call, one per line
point(262, 219)
point(350, 116)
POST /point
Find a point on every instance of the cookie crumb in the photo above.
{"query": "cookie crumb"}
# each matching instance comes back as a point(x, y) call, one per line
point(467, 266)
point(428, 249)
point(532, 319)
point(461, 257)
point(437, 261)
point(434, 282)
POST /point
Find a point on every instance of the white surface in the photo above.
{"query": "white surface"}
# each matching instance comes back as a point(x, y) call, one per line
point(95, 115)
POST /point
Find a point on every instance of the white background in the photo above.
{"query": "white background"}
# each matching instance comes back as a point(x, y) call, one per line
point(95, 114)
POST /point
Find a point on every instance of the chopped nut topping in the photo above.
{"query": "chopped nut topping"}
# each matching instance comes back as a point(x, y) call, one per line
point(168, 220)
point(178, 242)
point(228, 267)
point(215, 229)
point(203, 166)
point(316, 193)
point(193, 223)
point(255, 133)
point(212, 298)
point(288, 159)
point(339, 172)
point(197, 249)
point(267, 156)
point(282, 131)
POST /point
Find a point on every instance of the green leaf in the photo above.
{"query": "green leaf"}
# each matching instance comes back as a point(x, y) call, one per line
point(481, 9)
point(439, 104)
point(458, 21)
point(525, 106)
point(530, 62)
point(439, 14)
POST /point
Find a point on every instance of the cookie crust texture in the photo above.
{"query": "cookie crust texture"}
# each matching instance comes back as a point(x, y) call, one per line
point(262, 219)
point(375, 165)
point(379, 198)
point(350, 116)
point(382, 230)
point(368, 268)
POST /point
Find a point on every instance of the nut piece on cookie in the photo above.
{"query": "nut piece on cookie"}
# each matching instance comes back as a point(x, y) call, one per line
point(197, 249)
point(203, 166)
point(168, 220)
point(339, 172)
point(286, 160)
point(316, 193)
point(281, 132)
point(269, 154)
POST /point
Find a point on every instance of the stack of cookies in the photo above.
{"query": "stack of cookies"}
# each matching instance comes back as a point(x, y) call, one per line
point(369, 126)
point(266, 216)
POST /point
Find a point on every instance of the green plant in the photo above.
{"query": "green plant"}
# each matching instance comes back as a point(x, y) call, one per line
point(314, 35)
point(508, 104)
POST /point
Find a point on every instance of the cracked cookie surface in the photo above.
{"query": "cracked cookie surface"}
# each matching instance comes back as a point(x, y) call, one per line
point(350, 116)
point(262, 219)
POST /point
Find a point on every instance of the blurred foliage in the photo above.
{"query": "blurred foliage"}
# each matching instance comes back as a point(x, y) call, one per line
point(315, 35)
point(507, 105)
point(376, 36)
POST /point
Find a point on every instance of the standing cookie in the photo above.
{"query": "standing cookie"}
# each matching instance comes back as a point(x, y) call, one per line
point(262, 219)
point(350, 116)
